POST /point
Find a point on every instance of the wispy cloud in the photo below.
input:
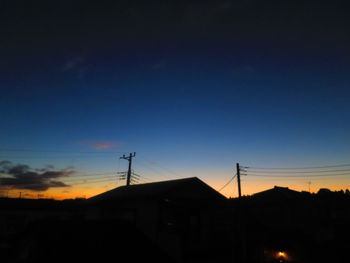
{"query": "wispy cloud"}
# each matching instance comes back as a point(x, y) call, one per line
point(21, 176)
point(101, 145)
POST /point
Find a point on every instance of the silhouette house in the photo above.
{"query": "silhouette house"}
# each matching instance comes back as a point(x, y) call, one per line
point(175, 214)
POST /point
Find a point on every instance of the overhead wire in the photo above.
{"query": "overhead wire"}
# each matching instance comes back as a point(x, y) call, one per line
point(86, 179)
point(93, 174)
point(58, 151)
point(314, 172)
point(227, 183)
point(52, 157)
point(93, 182)
point(297, 168)
point(147, 166)
point(69, 154)
point(299, 175)
point(161, 167)
point(298, 172)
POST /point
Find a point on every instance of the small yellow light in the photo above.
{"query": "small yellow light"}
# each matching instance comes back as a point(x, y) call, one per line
point(281, 254)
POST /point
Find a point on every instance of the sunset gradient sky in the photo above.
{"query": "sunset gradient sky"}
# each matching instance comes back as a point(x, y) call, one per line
point(193, 87)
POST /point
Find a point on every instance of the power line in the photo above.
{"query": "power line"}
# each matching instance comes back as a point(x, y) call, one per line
point(81, 177)
point(297, 176)
point(147, 166)
point(93, 174)
point(297, 168)
point(227, 183)
point(161, 166)
point(31, 157)
point(298, 172)
point(146, 178)
point(140, 178)
point(97, 181)
point(57, 151)
point(85, 179)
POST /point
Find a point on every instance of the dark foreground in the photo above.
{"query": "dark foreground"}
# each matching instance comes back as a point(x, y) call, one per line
point(278, 225)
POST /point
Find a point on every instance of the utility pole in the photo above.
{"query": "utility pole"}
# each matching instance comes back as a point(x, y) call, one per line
point(129, 159)
point(242, 228)
point(238, 179)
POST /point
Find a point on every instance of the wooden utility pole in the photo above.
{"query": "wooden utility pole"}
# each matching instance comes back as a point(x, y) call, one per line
point(238, 179)
point(129, 159)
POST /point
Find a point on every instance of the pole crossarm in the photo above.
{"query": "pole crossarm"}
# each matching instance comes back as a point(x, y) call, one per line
point(129, 159)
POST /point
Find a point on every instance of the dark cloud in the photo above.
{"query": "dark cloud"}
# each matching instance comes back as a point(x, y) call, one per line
point(22, 176)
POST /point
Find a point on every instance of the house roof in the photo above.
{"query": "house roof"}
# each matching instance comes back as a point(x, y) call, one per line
point(278, 193)
point(187, 188)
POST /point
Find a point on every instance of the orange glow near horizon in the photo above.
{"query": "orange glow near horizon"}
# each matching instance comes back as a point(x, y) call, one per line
point(72, 192)
point(249, 186)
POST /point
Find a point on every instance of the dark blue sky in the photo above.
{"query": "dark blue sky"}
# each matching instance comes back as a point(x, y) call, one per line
point(195, 85)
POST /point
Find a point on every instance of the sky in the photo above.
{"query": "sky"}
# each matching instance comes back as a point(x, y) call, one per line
point(193, 87)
